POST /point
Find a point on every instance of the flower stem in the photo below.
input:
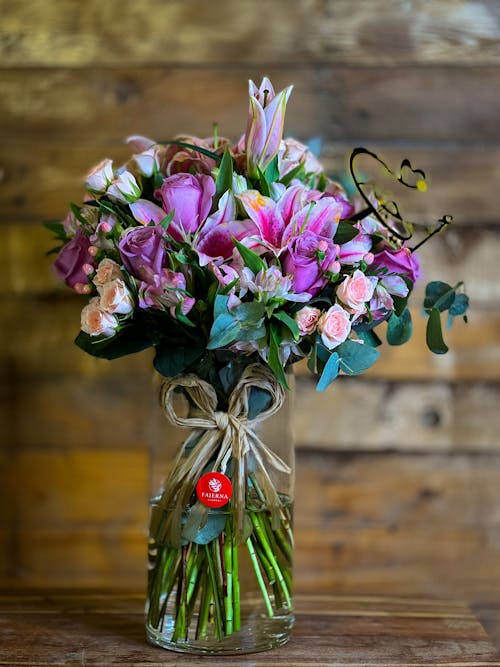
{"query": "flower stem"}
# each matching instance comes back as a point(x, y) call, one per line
point(236, 586)
point(228, 591)
point(260, 580)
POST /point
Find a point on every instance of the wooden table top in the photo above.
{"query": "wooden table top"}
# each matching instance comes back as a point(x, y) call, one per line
point(87, 628)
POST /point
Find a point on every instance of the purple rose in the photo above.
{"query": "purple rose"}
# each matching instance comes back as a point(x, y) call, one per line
point(307, 257)
point(143, 250)
point(402, 262)
point(190, 196)
point(71, 259)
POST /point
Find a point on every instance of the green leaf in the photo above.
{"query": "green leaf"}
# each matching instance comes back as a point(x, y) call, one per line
point(128, 340)
point(202, 526)
point(298, 172)
point(399, 329)
point(264, 185)
point(272, 172)
point(438, 295)
point(198, 149)
point(254, 332)
point(288, 321)
point(172, 359)
point(224, 180)
point(165, 223)
point(355, 358)
point(274, 358)
point(434, 333)
point(330, 372)
point(312, 361)
point(251, 259)
point(345, 233)
point(225, 330)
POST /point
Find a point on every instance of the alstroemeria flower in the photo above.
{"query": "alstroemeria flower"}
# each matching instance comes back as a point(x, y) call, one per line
point(266, 118)
point(270, 284)
point(166, 290)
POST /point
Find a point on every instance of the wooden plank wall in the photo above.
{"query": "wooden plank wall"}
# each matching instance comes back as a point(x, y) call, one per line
point(399, 472)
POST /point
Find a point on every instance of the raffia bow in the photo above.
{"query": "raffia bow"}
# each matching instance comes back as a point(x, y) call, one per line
point(221, 437)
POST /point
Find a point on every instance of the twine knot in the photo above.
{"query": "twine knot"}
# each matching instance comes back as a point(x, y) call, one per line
point(222, 436)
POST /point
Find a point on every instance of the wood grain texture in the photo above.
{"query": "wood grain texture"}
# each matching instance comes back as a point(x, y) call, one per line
point(102, 106)
point(36, 32)
point(332, 631)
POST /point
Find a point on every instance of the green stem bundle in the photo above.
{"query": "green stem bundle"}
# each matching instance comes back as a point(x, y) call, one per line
point(199, 586)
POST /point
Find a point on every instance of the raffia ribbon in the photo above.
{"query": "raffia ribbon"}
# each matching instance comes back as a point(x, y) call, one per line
point(221, 437)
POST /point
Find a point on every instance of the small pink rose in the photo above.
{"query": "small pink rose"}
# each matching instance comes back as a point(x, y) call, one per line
point(356, 290)
point(107, 271)
point(307, 319)
point(100, 177)
point(96, 321)
point(334, 326)
point(124, 189)
point(115, 298)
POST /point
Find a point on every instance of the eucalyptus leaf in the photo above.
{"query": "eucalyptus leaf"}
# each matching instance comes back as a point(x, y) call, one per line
point(225, 330)
point(203, 525)
point(258, 401)
point(370, 337)
point(171, 359)
point(434, 333)
point(399, 329)
point(128, 340)
point(355, 358)
point(459, 305)
point(438, 295)
point(330, 372)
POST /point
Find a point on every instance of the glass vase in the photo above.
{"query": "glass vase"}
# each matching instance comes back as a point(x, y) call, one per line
point(220, 536)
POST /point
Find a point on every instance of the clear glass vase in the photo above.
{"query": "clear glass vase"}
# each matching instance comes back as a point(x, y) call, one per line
point(220, 577)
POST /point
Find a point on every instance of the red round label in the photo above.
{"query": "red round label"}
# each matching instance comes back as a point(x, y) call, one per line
point(214, 489)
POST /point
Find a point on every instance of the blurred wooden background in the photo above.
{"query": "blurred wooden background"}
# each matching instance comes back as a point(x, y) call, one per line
point(399, 472)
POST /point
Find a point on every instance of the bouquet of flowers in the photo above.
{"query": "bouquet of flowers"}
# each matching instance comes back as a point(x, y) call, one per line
point(234, 261)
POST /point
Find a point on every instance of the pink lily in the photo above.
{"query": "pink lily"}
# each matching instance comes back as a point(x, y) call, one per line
point(266, 118)
point(297, 210)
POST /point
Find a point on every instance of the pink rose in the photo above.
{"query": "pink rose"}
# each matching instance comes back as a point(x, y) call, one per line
point(115, 297)
point(307, 258)
point(190, 196)
point(107, 271)
point(71, 259)
point(96, 321)
point(307, 319)
point(400, 261)
point(334, 326)
point(356, 290)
